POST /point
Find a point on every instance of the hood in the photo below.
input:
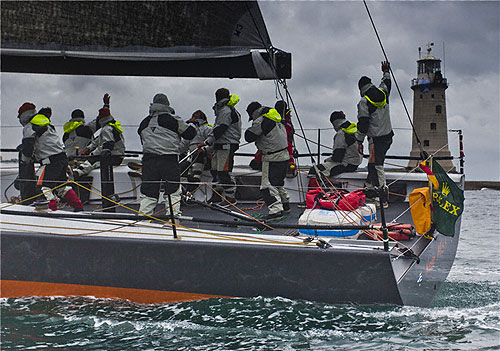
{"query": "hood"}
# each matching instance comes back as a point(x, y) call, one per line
point(40, 120)
point(200, 121)
point(231, 102)
point(105, 120)
point(273, 115)
point(156, 108)
point(221, 103)
point(72, 125)
point(338, 123)
point(345, 125)
point(26, 117)
point(259, 112)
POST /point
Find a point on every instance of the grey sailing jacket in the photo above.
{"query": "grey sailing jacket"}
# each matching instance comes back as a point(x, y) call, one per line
point(267, 130)
point(76, 135)
point(40, 138)
point(345, 147)
point(374, 121)
point(227, 128)
point(111, 138)
point(203, 131)
point(162, 130)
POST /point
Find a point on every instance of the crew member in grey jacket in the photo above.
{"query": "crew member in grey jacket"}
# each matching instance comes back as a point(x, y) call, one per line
point(42, 144)
point(77, 136)
point(111, 141)
point(161, 132)
point(345, 156)
point(203, 130)
point(269, 134)
point(374, 121)
point(225, 139)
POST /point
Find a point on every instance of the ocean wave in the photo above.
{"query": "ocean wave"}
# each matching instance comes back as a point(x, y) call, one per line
point(242, 324)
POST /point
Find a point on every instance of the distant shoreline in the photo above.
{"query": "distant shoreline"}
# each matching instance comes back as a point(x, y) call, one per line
point(478, 185)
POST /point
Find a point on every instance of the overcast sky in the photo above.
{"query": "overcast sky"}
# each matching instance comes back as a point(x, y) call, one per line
point(332, 45)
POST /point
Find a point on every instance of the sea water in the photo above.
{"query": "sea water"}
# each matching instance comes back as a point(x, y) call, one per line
point(464, 316)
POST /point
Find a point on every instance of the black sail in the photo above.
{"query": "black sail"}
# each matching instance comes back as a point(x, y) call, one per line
point(140, 38)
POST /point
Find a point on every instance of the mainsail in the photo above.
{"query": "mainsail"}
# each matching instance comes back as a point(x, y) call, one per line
point(140, 38)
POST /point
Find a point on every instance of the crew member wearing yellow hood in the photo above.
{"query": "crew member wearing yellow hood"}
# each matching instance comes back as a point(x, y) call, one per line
point(225, 139)
point(269, 134)
point(42, 144)
point(345, 156)
point(374, 121)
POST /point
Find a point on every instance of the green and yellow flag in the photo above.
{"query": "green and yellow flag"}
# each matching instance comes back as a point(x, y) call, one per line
point(447, 199)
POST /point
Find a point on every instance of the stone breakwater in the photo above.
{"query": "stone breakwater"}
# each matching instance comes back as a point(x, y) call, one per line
point(478, 185)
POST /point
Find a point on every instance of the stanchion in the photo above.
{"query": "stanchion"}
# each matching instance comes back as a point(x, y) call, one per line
point(107, 183)
point(385, 231)
point(172, 217)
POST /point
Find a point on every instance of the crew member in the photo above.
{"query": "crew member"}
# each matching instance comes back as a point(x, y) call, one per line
point(111, 141)
point(161, 132)
point(269, 134)
point(286, 119)
point(374, 121)
point(225, 139)
point(345, 156)
point(77, 136)
point(42, 144)
point(203, 131)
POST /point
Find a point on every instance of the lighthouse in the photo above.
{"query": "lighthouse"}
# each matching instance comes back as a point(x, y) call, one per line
point(429, 110)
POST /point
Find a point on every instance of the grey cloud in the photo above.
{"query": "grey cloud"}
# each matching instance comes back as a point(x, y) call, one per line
point(332, 45)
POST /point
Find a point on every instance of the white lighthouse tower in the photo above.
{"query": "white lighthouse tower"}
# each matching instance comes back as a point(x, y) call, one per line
point(429, 110)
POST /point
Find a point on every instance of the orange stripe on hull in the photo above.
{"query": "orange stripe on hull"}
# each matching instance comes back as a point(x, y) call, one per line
point(16, 288)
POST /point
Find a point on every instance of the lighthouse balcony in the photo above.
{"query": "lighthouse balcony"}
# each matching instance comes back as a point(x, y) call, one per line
point(424, 82)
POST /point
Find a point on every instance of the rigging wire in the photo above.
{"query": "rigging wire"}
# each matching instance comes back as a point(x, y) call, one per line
point(423, 153)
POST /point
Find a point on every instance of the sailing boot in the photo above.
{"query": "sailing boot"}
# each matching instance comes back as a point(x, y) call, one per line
point(73, 200)
point(273, 216)
point(49, 195)
point(53, 204)
point(214, 199)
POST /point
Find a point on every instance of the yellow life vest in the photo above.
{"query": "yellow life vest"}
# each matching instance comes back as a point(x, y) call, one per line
point(380, 104)
point(117, 126)
point(273, 115)
point(71, 126)
point(40, 120)
point(233, 100)
point(352, 129)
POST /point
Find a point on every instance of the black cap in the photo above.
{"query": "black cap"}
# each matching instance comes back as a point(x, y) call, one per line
point(77, 114)
point(363, 81)
point(281, 107)
point(336, 115)
point(46, 111)
point(254, 105)
point(221, 93)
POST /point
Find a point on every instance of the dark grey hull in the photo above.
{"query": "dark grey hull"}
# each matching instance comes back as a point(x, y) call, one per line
point(368, 276)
